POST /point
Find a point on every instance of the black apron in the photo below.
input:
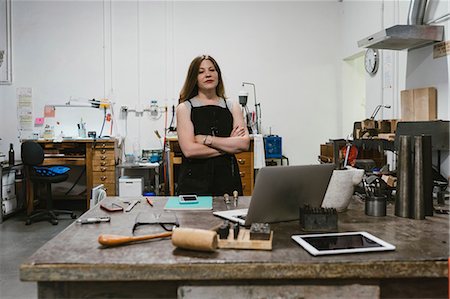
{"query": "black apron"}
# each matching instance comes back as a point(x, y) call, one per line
point(211, 176)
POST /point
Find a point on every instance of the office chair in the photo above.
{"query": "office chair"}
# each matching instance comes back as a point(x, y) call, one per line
point(33, 155)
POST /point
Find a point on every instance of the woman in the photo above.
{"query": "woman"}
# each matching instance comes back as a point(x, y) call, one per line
point(210, 131)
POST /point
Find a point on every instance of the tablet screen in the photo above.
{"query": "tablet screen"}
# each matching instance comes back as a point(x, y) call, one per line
point(337, 243)
point(341, 242)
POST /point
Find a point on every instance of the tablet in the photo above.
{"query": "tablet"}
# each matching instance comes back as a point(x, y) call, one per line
point(338, 243)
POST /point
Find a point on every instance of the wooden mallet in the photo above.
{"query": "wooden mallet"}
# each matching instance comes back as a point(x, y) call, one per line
point(186, 238)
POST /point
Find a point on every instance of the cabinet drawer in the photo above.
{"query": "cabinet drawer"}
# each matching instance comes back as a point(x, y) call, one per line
point(107, 177)
point(246, 188)
point(9, 205)
point(244, 159)
point(110, 189)
point(103, 167)
point(102, 163)
point(245, 167)
point(102, 155)
point(102, 145)
point(245, 173)
point(9, 191)
point(8, 177)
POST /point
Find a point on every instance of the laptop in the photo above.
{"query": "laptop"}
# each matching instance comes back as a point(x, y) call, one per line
point(280, 191)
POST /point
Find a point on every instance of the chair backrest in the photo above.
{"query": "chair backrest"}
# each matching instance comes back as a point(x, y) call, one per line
point(32, 153)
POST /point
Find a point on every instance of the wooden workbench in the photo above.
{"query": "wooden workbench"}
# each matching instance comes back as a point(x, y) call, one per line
point(74, 265)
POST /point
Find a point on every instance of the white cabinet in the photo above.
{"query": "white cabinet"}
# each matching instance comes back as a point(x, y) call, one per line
point(8, 193)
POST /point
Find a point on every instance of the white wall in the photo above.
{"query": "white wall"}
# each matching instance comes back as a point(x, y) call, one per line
point(133, 52)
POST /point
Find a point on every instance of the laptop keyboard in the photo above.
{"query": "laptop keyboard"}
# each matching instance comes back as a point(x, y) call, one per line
point(241, 217)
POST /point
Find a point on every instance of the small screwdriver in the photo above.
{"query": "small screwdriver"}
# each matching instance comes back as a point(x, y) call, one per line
point(94, 220)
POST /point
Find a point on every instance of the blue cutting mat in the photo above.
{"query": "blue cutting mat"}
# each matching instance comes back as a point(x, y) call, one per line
point(204, 203)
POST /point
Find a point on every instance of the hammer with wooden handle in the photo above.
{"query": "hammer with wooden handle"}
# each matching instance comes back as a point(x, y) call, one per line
point(187, 238)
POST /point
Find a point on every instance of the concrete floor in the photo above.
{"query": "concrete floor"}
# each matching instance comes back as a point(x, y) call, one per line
point(17, 242)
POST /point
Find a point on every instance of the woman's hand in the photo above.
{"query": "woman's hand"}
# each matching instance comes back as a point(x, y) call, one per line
point(199, 138)
point(238, 131)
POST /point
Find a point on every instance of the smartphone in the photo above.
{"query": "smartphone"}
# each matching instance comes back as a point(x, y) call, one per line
point(188, 199)
point(112, 207)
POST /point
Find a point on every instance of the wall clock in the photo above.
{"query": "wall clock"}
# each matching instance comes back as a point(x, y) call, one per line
point(372, 61)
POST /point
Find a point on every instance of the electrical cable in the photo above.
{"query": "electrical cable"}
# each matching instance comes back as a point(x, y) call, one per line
point(76, 181)
point(171, 128)
point(164, 153)
point(94, 144)
point(103, 124)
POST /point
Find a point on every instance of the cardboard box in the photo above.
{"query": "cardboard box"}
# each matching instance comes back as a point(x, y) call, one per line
point(419, 104)
point(390, 180)
point(326, 151)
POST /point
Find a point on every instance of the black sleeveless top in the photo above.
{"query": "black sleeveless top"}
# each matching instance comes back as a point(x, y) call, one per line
point(210, 176)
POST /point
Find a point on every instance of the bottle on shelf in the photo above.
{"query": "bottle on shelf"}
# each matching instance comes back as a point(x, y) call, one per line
point(11, 154)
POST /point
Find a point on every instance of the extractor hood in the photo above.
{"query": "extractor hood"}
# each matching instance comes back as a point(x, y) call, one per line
point(400, 37)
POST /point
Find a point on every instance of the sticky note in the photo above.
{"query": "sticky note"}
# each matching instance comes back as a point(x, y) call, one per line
point(39, 121)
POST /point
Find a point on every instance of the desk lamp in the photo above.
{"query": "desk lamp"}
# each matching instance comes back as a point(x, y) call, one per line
point(378, 109)
point(257, 107)
point(243, 97)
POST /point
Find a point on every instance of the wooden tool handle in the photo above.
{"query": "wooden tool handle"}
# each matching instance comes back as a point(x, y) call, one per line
point(115, 240)
point(195, 239)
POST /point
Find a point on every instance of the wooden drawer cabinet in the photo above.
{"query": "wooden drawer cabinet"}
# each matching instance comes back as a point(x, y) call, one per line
point(245, 162)
point(103, 166)
point(97, 156)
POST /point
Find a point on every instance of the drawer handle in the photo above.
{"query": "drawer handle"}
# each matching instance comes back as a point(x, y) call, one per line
point(103, 151)
point(103, 157)
point(241, 161)
point(103, 144)
point(103, 169)
point(242, 174)
point(103, 163)
point(103, 178)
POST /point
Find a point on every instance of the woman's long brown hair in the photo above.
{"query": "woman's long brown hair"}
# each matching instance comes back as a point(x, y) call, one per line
point(190, 87)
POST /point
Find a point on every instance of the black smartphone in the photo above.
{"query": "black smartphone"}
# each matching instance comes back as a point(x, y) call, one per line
point(188, 199)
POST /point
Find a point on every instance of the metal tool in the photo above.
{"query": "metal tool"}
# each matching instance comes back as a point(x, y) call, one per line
point(132, 204)
point(94, 220)
point(235, 197)
point(227, 200)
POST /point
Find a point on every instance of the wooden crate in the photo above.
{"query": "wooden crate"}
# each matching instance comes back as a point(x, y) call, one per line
point(419, 104)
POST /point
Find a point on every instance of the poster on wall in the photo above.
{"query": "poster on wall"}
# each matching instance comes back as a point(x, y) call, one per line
point(25, 112)
point(5, 42)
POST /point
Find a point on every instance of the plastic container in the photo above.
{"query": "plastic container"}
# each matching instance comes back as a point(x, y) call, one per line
point(272, 146)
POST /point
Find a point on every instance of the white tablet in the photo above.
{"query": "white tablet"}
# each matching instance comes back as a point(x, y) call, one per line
point(338, 243)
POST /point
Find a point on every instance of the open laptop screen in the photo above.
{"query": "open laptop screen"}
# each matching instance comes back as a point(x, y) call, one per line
point(281, 190)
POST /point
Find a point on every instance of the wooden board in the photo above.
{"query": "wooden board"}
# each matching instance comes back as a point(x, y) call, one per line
point(243, 241)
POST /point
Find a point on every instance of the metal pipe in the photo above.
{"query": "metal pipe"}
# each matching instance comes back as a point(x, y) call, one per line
point(418, 206)
point(427, 174)
point(416, 12)
point(404, 186)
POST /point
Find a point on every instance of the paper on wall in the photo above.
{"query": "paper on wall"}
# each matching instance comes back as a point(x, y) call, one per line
point(25, 111)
